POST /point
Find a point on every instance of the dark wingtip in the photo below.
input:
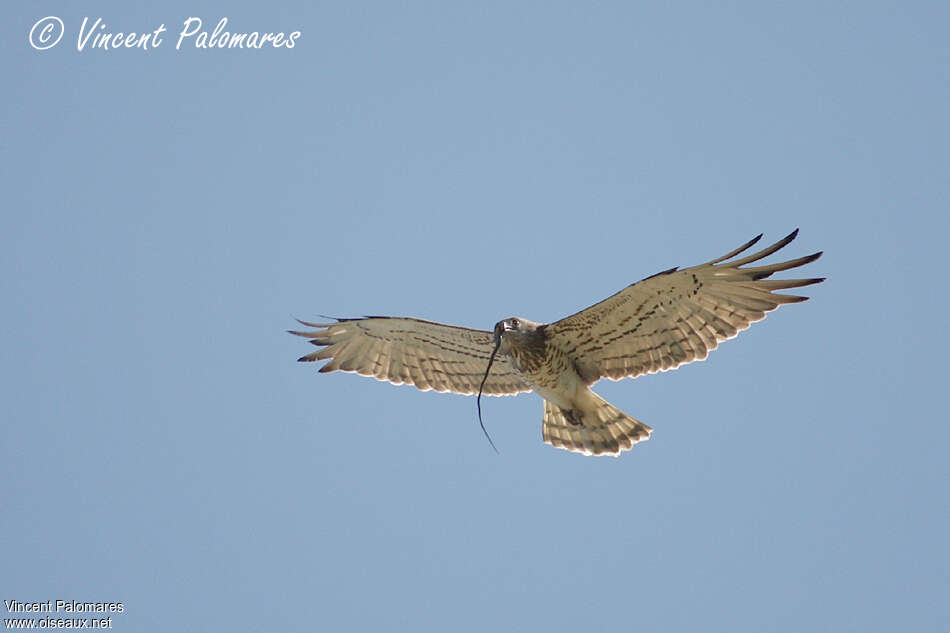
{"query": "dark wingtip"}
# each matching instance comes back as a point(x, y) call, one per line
point(310, 335)
point(736, 251)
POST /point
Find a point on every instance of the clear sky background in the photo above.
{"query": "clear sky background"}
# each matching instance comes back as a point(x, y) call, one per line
point(167, 213)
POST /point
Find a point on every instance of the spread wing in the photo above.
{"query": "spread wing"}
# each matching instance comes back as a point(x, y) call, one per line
point(676, 316)
point(413, 352)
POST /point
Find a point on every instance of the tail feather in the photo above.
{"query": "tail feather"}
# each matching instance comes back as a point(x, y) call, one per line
point(601, 430)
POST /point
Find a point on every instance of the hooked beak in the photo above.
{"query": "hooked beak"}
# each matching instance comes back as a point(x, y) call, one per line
point(499, 330)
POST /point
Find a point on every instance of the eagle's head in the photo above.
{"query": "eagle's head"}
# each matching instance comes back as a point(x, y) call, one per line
point(516, 328)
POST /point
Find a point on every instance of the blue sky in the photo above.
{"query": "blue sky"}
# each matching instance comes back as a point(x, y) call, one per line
point(168, 212)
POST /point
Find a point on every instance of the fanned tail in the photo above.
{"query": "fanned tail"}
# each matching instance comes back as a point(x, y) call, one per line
point(601, 429)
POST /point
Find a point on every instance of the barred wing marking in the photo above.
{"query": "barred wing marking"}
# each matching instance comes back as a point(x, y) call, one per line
point(413, 352)
point(676, 316)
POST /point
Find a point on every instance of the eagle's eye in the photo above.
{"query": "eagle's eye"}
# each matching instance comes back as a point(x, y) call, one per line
point(515, 323)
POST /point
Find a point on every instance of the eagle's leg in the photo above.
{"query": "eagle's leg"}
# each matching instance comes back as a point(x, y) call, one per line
point(573, 417)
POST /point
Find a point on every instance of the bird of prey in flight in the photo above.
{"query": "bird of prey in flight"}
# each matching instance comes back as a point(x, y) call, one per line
point(669, 319)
